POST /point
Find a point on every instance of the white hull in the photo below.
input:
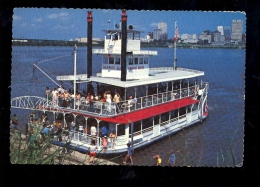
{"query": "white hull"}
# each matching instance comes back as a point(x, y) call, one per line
point(147, 136)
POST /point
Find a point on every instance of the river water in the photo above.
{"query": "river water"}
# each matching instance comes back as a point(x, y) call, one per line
point(218, 141)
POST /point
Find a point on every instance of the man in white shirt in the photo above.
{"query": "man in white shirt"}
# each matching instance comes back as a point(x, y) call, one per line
point(54, 97)
point(93, 131)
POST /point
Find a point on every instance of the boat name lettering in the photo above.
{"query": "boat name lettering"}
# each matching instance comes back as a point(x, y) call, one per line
point(112, 67)
point(136, 67)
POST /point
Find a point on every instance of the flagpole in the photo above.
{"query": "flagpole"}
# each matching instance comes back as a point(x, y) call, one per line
point(175, 41)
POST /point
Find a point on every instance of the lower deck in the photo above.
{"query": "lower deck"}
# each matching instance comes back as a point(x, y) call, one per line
point(81, 141)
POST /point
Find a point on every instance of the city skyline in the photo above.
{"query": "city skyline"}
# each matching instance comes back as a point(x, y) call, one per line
point(66, 24)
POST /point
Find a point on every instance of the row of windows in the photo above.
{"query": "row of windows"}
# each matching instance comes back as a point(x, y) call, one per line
point(130, 61)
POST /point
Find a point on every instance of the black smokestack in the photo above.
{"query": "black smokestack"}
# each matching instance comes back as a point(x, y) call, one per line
point(123, 45)
point(89, 44)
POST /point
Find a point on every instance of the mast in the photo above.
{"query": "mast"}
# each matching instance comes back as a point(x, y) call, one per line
point(75, 72)
point(175, 41)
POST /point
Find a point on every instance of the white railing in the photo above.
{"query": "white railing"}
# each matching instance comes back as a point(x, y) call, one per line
point(83, 138)
point(102, 108)
point(171, 68)
point(35, 103)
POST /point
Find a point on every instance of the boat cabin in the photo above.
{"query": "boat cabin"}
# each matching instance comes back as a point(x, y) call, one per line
point(137, 61)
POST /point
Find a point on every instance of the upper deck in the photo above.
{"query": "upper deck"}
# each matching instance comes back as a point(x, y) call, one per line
point(156, 75)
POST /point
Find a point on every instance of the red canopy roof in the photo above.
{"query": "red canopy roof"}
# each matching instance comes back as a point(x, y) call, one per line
point(149, 112)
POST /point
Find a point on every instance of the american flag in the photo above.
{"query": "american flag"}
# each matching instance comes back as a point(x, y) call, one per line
point(176, 34)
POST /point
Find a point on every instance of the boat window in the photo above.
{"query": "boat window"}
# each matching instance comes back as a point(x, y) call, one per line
point(137, 126)
point(141, 60)
point(165, 117)
point(156, 119)
point(136, 60)
point(182, 111)
point(111, 60)
point(147, 123)
point(145, 60)
point(105, 60)
point(120, 130)
point(130, 61)
point(117, 60)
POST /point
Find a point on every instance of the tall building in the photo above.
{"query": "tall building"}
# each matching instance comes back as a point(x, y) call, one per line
point(237, 27)
point(157, 34)
point(227, 33)
point(220, 29)
point(163, 27)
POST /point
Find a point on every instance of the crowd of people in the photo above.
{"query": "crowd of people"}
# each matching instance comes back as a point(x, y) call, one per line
point(63, 98)
point(40, 129)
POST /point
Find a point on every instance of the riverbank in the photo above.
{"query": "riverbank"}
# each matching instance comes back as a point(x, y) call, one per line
point(72, 158)
point(143, 45)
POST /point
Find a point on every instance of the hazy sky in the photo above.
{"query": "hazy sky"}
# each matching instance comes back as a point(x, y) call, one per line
point(66, 24)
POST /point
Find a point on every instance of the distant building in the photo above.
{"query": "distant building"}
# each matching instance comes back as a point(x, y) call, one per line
point(237, 27)
point(205, 37)
point(220, 29)
point(157, 34)
point(218, 39)
point(189, 38)
point(163, 27)
point(227, 33)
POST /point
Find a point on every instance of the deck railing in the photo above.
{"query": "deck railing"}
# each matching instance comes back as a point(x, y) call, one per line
point(122, 140)
point(111, 109)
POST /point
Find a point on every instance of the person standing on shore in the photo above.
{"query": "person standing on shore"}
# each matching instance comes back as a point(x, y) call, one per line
point(92, 151)
point(14, 122)
point(172, 159)
point(159, 160)
point(129, 154)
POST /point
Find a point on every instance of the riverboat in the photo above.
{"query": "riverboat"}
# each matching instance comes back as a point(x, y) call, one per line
point(155, 102)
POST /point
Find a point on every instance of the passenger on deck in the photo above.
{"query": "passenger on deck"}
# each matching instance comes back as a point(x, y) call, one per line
point(113, 136)
point(91, 102)
point(81, 128)
point(60, 89)
point(60, 99)
point(117, 98)
point(105, 96)
point(103, 131)
point(54, 97)
point(200, 92)
point(66, 99)
point(96, 97)
point(108, 100)
point(104, 143)
point(72, 127)
point(130, 103)
point(78, 100)
point(93, 132)
point(48, 94)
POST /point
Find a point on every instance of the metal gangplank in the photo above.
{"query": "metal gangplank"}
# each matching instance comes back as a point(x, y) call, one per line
point(35, 103)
